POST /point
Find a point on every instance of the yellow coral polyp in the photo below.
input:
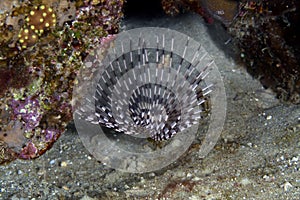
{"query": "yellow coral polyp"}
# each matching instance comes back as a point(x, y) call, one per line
point(41, 18)
point(37, 21)
point(27, 37)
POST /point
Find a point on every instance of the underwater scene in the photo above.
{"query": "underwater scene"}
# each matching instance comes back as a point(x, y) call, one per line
point(152, 99)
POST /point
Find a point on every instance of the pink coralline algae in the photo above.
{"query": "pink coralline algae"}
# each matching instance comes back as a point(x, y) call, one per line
point(50, 134)
point(29, 151)
point(28, 111)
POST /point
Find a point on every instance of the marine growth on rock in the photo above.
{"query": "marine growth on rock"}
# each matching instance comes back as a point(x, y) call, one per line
point(43, 44)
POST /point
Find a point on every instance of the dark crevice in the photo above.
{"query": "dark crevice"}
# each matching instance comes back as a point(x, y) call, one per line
point(143, 8)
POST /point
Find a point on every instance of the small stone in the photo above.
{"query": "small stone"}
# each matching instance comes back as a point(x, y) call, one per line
point(287, 186)
point(180, 174)
point(63, 164)
point(41, 172)
point(268, 178)
point(85, 197)
point(207, 171)
point(245, 181)
point(196, 179)
point(65, 187)
point(194, 197)
point(295, 159)
point(151, 174)
point(269, 117)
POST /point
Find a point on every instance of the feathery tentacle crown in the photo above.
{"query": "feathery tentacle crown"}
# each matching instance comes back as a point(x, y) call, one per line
point(147, 87)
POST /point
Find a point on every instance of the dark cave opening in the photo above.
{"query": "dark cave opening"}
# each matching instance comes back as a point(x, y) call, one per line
point(143, 8)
